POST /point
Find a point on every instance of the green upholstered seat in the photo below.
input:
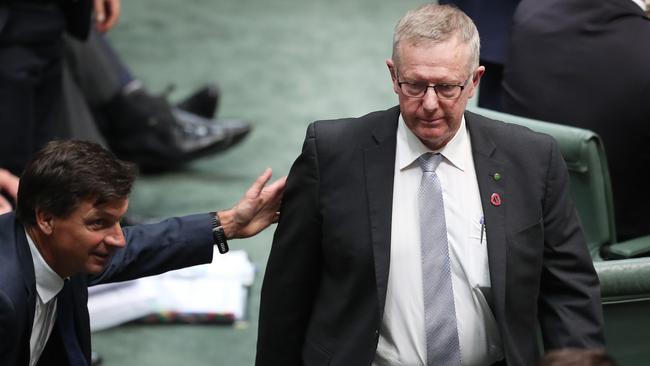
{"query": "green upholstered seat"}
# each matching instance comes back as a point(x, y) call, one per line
point(625, 281)
point(584, 156)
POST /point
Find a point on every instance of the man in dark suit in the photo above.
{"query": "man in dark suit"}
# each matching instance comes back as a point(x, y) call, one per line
point(65, 236)
point(30, 68)
point(376, 262)
point(493, 20)
point(585, 63)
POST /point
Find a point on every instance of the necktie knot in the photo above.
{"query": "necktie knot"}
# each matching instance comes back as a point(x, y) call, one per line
point(429, 161)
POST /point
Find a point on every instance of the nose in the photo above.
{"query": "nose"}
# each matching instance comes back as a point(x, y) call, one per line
point(115, 237)
point(430, 100)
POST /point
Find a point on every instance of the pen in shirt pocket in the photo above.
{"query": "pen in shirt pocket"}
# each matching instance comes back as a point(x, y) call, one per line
point(482, 221)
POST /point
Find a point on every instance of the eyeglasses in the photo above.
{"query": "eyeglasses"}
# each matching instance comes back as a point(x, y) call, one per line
point(443, 91)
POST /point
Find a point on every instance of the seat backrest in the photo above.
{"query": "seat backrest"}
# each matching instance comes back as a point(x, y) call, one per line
point(591, 191)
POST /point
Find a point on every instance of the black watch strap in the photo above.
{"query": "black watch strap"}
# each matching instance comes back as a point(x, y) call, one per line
point(218, 235)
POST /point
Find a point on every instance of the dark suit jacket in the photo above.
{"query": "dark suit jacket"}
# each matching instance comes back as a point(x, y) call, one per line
point(77, 15)
point(150, 249)
point(325, 284)
point(585, 63)
point(493, 20)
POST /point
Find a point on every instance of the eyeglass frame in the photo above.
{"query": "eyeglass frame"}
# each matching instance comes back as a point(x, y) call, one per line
point(433, 86)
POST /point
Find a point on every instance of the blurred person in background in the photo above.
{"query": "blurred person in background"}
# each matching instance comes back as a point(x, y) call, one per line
point(104, 102)
point(585, 63)
point(493, 20)
point(31, 51)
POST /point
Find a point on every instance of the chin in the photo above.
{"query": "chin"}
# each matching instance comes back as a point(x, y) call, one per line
point(433, 134)
point(94, 268)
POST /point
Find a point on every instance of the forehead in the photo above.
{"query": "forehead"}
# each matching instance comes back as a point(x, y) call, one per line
point(443, 60)
point(88, 208)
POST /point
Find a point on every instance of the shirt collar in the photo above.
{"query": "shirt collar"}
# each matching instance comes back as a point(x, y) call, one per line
point(640, 3)
point(48, 282)
point(409, 147)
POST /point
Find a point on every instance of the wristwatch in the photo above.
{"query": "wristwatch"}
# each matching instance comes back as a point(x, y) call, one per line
point(218, 235)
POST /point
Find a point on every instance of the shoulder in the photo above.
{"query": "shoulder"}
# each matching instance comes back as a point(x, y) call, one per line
point(9, 328)
point(506, 135)
point(9, 260)
point(13, 296)
point(346, 131)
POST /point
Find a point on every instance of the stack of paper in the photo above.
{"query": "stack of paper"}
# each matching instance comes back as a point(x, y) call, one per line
point(214, 293)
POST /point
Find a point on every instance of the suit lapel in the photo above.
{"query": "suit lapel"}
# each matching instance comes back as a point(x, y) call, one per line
point(379, 165)
point(29, 281)
point(82, 319)
point(486, 165)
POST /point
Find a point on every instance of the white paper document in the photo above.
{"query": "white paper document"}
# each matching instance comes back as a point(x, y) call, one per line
point(209, 292)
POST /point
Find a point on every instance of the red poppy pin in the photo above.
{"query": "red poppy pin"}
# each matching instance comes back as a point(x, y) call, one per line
point(495, 199)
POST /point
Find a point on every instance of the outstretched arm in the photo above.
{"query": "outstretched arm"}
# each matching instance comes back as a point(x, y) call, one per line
point(187, 241)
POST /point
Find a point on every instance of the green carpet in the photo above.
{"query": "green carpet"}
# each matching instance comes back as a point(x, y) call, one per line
point(281, 64)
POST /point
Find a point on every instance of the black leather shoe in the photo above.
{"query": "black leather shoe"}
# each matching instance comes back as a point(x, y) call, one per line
point(231, 130)
point(203, 102)
point(145, 129)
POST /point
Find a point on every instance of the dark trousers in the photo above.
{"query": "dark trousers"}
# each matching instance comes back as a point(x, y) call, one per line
point(91, 79)
point(30, 78)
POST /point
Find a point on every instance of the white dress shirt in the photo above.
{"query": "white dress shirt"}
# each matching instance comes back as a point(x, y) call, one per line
point(48, 285)
point(402, 338)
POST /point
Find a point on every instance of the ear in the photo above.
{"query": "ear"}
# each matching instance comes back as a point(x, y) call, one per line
point(44, 221)
point(393, 74)
point(476, 78)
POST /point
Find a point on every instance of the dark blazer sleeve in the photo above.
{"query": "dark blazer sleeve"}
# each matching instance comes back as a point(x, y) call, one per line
point(8, 331)
point(153, 249)
point(293, 269)
point(570, 311)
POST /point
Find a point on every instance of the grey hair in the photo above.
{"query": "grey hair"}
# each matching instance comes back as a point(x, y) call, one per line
point(433, 23)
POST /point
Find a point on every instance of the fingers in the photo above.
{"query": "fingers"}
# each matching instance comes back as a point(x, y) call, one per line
point(5, 206)
point(255, 190)
point(274, 191)
point(9, 183)
point(113, 14)
point(279, 184)
point(100, 13)
point(260, 206)
point(106, 14)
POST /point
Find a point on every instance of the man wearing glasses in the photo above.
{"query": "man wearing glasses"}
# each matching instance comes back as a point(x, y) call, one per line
point(425, 234)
